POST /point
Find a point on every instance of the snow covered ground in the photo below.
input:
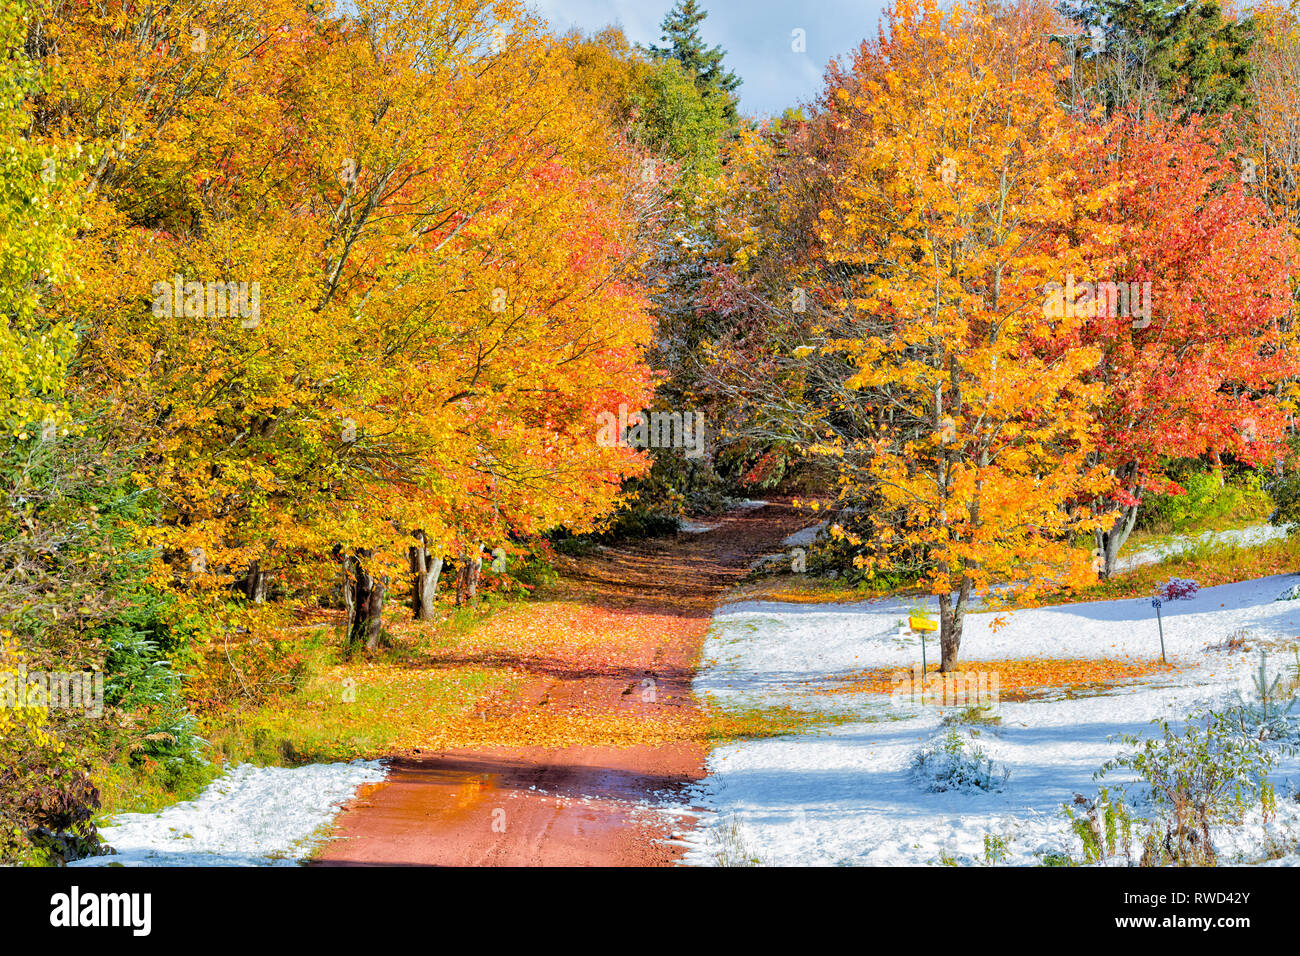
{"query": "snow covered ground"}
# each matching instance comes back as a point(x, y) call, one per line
point(804, 536)
point(1245, 537)
point(250, 816)
point(845, 795)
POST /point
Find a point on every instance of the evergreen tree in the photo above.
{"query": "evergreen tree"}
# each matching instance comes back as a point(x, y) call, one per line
point(683, 43)
point(1187, 54)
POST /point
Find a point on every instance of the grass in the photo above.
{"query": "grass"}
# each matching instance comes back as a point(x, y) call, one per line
point(1207, 563)
point(345, 709)
point(787, 588)
point(124, 788)
point(369, 706)
point(386, 707)
point(730, 847)
point(724, 724)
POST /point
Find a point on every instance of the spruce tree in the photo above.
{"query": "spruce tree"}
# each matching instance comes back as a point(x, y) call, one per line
point(1185, 53)
point(683, 43)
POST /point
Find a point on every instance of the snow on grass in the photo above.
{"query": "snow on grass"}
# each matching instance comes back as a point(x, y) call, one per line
point(847, 794)
point(1242, 537)
point(250, 816)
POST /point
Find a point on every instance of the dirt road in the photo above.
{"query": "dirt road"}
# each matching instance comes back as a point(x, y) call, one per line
point(525, 806)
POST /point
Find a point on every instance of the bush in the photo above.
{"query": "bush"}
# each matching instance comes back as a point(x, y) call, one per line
point(244, 668)
point(1179, 589)
point(141, 681)
point(534, 571)
point(77, 600)
point(1206, 774)
point(46, 798)
point(1271, 715)
point(1206, 502)
point(956, 764)
point(654, 504)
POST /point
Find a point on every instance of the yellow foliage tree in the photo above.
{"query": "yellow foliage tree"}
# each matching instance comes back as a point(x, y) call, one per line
point(356, 282)
point(956, 175)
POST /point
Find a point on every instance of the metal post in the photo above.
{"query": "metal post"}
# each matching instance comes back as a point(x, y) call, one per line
point(1155, 603)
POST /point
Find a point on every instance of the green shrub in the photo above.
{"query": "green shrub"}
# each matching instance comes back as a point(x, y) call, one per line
point(1207, 501)
point(953, 763)
point(1206, 774)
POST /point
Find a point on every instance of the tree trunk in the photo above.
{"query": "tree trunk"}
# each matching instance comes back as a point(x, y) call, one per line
point(346, 564)
point(952, 615)
point(374, 616)
point(1109, 542)
point(467, 575)
point(366, 603)
point(256, 584)
point(424, 578)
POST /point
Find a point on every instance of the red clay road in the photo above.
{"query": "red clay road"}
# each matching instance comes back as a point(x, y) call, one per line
point(572, 806)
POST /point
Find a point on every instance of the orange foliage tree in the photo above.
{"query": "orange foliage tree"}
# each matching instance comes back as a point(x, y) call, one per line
point(1190, 292)
point(358, 283)
point(958, 164)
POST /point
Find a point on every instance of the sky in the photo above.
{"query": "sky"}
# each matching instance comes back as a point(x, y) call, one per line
point(758, 36)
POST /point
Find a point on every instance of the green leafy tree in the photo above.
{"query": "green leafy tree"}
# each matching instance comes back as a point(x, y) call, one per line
point(676, 120)
point(656, 102)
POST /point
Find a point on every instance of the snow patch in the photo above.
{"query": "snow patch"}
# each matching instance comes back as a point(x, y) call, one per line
point(250, 816)
point(804, 536)
point(697, 527)
point(847, 794)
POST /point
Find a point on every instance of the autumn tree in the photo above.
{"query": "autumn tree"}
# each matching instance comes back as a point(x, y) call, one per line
point(445, 259)
point(1193, 365)
point(958, 166)
point(1272, 164)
